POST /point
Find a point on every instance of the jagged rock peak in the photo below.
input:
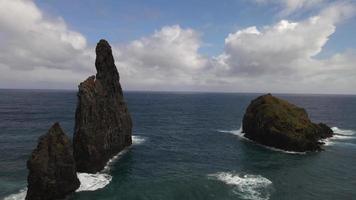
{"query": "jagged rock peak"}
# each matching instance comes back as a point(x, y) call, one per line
point(102, 121)
point(52, 170)
point(105, 67)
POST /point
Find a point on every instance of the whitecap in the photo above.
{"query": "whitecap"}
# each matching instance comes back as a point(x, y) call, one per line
point(21, 195)
point(240, 134)
point(136, 139)
point(343, 131)
point(237, 132)
point(339, 136)
point(327, 142)
point(246, 186)
point(92, 182)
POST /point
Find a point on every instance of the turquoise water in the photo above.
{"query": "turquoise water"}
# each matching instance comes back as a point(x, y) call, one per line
point(187, 146)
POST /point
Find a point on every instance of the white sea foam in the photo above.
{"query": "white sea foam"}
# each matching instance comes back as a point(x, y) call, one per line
point(237, 132)
point(91, 182)
point(21, 195)
point(343, 131)
point(246, 186)
point(109, 164)
point(136, 139)
point(339, 137)
point(240, 134)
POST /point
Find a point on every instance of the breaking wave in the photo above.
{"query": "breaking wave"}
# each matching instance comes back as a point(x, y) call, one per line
point(136, 139)
point(343, 131)
point(340, 136)
point(246, 186)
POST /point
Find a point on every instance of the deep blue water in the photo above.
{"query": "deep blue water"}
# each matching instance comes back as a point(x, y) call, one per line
point(188, 148)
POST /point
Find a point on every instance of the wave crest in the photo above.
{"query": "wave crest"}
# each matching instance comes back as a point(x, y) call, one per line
point(343, 131)
point(246, 186)
point(339, 137)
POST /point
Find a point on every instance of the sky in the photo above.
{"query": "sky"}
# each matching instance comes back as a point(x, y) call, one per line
point(277, 46)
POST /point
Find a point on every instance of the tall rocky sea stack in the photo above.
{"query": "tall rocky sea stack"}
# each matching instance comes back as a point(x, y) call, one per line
point(52, 171)
point(102, 121)
point(277, 123)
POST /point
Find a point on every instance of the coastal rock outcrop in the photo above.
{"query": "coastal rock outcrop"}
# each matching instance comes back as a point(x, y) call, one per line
point(277, 123)
point(52, 171)
point(102, 121)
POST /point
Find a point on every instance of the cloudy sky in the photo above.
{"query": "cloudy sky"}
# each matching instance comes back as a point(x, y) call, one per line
point(288, 46)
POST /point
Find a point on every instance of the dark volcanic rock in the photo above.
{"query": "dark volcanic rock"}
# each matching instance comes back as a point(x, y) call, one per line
point(277, 123)
point(52, 172)
point(102, 121)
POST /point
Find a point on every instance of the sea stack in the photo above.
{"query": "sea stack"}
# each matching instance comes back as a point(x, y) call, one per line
point(102, 121)
point(52, 171)
point(277, 123)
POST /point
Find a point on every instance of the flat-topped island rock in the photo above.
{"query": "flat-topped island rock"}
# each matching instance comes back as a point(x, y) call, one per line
point(102, 121)
point(277, 123)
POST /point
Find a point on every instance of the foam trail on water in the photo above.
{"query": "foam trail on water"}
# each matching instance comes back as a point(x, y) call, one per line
point(136, 140)
point(237, 132)
point(246, 186)
point(108, 165)
point(343, 131)
point(340, 135)
point(240, 134)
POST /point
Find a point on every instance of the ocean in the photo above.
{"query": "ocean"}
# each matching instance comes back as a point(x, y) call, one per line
point(187, 146)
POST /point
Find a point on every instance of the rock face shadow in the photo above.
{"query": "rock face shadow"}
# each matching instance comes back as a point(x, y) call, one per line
point(103, 124)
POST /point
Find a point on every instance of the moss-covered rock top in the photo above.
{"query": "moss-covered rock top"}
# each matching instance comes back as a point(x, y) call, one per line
point(276, 122)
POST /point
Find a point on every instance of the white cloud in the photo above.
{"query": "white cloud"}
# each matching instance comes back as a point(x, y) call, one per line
point(169, 56)
point(41, 52)
point(294, 5)
point(254, 52)
point(284, 54)
point(30, 41)
point(291, 6)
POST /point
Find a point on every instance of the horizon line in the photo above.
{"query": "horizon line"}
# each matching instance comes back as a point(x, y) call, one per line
point(189, 91)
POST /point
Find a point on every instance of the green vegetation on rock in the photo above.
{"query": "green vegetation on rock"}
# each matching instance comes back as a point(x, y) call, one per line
point(277, 123)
